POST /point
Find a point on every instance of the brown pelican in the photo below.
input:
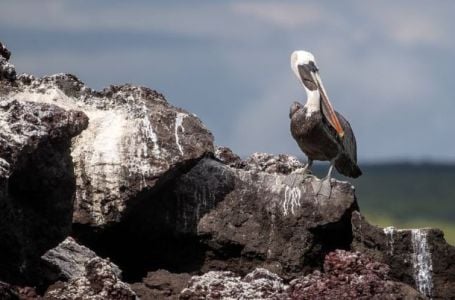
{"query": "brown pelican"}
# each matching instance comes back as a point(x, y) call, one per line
point(320, 131)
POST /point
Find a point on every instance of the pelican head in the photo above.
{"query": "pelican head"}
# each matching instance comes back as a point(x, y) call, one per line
point(304, 66)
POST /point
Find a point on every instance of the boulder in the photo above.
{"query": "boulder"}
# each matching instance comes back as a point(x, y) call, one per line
point(37, 182)
point(134, 140)
point(418, 257)
point(262, 215)
point(98, 282)
point(68, 261)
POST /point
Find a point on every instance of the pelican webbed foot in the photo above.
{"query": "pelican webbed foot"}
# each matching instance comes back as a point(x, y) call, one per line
point(325, 184)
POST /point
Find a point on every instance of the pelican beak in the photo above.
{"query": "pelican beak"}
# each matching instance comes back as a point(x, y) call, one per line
point(327, 108)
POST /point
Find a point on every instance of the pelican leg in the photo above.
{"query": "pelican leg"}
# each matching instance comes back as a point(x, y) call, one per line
point(306, 170)
point(325, 186)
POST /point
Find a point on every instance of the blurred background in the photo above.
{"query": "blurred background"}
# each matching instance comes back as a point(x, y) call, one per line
point(388, 66)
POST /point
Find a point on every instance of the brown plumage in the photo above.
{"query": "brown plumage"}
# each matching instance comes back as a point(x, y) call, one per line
point(320, 131)
point(319, 141)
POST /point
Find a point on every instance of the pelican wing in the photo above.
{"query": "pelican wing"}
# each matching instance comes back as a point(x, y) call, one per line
point(348, 141)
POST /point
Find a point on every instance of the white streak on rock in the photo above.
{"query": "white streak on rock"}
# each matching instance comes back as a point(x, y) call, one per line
point(147, 129)
point(291, 200)
point(389, 234)
point(178, 124)
point(421, 262)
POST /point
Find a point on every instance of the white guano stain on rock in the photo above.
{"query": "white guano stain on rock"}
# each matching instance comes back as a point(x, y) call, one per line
point(421, 262)
point(147, 129)
point(128, 144)
point(179, 125)
point(49, 94)
point(291, 201)
point(101, 146)
point(388, 231)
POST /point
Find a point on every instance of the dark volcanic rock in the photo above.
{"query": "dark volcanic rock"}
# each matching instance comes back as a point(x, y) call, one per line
point(7, 70)
point(215, 217)
point(264, 162)
point(37, 182)
point(99, 282)
point(161, 284)
point(10, 292)
point(259, 284)
point(350, 275)
point(134, 139)
point(68, 260)
point(7, 292)
point(255, 218)
point(418, 257)
point(225, 155)
point(4, 52)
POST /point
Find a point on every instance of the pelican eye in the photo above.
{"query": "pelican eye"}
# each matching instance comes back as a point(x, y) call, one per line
point(312, 67)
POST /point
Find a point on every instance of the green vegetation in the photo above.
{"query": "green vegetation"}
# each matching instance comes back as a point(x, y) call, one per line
point(407, 195)
point(384, 221)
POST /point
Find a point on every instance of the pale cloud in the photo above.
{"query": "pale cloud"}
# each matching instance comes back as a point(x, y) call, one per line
point(285, 15)
point(420, 23)
point(195, 20)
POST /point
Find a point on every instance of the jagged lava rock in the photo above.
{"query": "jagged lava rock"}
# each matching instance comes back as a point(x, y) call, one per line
point(225, 155)
point(265, 162)
point(418, 257)
point(37, 182)
point(134, 138)
point(350, 275)
point(259, 284)
point(248, 217)
point(7, 292)
point(161, 284)
point(217, 217)
point(4, 52)
point(7, 70)
point(68, 260)
point(99, 282)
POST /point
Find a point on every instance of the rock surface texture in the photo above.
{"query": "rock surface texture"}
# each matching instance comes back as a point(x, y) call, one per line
point(161, 284)
point(350, 275)
point(134, 138)
point(259, 284)
point(68, 261)
point(345, 275)
point(7, 70)
point(156, 211)
point(37, 181)
point(99, 282)
point(281, 209)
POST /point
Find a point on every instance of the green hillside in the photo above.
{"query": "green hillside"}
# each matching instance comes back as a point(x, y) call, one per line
point(406, 195)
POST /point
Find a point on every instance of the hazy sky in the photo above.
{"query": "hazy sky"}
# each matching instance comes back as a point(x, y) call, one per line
point(388, 66)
